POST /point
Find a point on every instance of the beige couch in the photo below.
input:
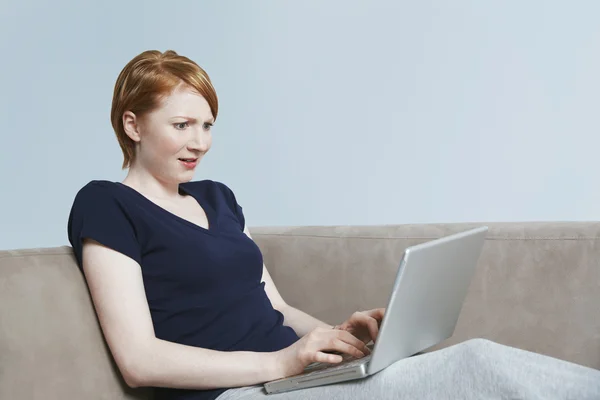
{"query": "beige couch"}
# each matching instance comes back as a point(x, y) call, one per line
point(537, 287)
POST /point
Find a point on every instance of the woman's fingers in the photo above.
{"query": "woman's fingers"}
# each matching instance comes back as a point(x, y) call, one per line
point(327, 358)
point(322, 342)
point(370, 322)
point(354, 342)
point(347, 348)
point(377, 313)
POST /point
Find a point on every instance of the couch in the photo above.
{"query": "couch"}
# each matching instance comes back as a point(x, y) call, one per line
point(537, 287)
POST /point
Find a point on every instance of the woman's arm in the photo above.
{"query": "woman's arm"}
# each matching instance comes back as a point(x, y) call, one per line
point(117, 290)
point(298, 320)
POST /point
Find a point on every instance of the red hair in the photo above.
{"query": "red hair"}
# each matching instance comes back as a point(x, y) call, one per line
point(146, 80)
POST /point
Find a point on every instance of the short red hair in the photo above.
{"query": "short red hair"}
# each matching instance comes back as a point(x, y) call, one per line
point(146, 80)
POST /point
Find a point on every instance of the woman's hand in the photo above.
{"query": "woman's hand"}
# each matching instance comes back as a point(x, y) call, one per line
point(312, 347)
point(364, 325)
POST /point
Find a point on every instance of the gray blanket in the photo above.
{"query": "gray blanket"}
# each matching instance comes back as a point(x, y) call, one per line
point(475, 369)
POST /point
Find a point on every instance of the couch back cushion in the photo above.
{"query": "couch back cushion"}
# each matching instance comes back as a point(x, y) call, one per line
point(51, 345)
point(537, 285)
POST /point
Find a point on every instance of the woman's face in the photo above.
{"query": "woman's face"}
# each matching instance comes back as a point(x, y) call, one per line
point(174, 138)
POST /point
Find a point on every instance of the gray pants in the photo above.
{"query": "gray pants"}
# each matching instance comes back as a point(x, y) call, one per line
point(475, 369)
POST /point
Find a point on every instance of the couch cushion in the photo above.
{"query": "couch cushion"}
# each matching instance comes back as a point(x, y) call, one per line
point(51, 346)
point(536, 286)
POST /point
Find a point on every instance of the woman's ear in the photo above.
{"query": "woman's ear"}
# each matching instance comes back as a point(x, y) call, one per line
point(131, 126)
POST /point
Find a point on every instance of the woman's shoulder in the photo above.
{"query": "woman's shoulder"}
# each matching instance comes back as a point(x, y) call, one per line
point(99, 185)
point(100, 211)
point(100, 203)
point(104, 198)
point(96, 192)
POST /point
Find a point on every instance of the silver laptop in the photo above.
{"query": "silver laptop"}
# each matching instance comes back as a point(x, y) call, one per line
point(430, 287)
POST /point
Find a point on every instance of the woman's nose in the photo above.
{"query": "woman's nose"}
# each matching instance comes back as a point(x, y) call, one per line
point(200, 142)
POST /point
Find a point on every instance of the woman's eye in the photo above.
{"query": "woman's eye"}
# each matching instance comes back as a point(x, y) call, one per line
point(181, 125)
point(207, 126)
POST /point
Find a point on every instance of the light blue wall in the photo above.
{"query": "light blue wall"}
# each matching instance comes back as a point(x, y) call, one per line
point(332, 112)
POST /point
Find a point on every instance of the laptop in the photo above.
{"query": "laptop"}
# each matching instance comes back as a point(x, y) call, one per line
point(427, 296)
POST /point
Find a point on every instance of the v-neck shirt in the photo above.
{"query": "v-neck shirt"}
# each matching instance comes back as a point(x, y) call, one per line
point(203, 286)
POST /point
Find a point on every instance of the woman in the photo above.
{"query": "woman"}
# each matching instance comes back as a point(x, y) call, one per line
point(183, 297)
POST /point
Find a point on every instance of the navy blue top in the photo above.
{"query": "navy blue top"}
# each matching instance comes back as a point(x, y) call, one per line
point(203, 285)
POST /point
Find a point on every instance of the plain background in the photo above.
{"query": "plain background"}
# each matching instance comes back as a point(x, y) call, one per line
point(331, 112)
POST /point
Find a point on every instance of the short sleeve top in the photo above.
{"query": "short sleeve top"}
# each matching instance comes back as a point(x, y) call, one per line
point(203, 286)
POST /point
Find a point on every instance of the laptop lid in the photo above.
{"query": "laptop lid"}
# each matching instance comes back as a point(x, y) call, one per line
point(427, 297)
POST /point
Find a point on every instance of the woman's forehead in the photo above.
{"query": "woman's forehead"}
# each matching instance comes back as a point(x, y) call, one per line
point(186, 102)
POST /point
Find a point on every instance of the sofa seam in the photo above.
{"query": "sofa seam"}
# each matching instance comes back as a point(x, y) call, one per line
point(33, 254)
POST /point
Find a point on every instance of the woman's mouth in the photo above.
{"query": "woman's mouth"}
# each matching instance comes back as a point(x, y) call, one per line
point(189, 163)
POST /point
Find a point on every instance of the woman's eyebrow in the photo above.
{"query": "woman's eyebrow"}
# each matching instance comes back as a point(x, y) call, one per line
point(210, 120)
